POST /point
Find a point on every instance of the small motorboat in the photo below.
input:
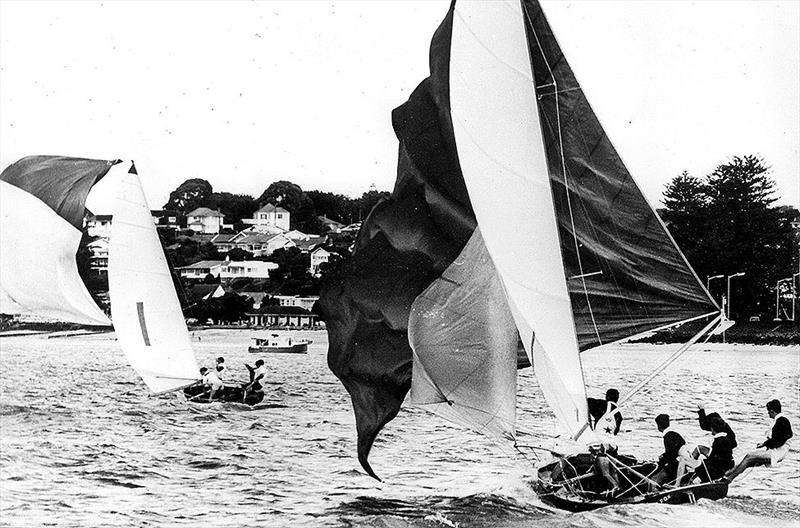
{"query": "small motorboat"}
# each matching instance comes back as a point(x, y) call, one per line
point(279, 344)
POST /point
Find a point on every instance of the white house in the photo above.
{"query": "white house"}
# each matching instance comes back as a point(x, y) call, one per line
point(199, 270)
point(271, 215)
point(318, 256)
point(295, 300)
point(250, 269)
point(204, 220)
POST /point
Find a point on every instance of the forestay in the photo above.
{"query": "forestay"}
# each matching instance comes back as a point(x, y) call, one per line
point(145, 310)
point(464, 344)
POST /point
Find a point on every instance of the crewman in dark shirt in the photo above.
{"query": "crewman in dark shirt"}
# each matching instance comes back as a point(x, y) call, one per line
point(777, 443)
point(607, 411)
point(673, 442)
point(720, 458)
point(705, 425)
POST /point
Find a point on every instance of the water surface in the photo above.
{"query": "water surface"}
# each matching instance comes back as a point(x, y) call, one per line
point(82, 444)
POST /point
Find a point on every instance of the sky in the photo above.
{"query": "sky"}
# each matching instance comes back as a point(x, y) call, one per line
point(246, 93)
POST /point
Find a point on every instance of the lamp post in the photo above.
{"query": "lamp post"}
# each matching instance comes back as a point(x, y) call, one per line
point(740, 274)
point(708, 283)
point(778, 298)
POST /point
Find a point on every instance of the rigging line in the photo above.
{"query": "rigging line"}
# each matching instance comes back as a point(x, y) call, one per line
point(566, 180)
point(670, 360)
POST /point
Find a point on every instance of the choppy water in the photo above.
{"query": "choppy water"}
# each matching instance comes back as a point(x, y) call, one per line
point(81, 444)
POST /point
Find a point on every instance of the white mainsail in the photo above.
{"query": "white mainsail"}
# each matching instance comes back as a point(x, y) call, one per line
point(464, 344)
point(503, 160)
point(145, 310)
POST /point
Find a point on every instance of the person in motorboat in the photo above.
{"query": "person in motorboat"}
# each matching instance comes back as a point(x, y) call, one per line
point(720, 455)
point(211, 381)
point(771, 451)
point(674, 449)
point(604, 415)
point(704, 420)
point(220, 367)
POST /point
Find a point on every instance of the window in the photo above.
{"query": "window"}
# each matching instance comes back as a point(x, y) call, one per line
point(280, 215)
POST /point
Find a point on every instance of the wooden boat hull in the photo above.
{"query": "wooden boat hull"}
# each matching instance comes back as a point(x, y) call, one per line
point(195, 394)
point(562, 497)
point(299, 348)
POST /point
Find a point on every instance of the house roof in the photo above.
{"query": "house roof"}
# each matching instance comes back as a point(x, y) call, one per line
point(201, 291)
point(203, 264)
point(283, 310)
point(269, 208)
point(205, 211)
point(310, 243)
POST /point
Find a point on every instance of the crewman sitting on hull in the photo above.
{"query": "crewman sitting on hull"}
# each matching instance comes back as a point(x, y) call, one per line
point(211, 381)
point(776, 446)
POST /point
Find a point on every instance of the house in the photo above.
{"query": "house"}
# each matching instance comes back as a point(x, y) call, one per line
point(307, 303)
point(199, 270)
point(283, 316)
point(270, 215)
point(98, 255)
point(166, 218)
point(98, 225)
point(352, 229)
point(204, 292)
point(251, 240)
point(204, 220)
point(318, 256)
point(306, 245)
point(248, 269)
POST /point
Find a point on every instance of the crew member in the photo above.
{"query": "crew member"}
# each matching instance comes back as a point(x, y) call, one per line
point(604, 415)
point(674, 448)
point(776, 445)
point(211, 380)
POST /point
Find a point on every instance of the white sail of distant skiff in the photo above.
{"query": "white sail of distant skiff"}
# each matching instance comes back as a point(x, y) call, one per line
point(144, 305)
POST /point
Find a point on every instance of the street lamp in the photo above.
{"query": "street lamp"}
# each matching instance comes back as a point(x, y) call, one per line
point(708, 282)
point(778, 298)
point(740, 274)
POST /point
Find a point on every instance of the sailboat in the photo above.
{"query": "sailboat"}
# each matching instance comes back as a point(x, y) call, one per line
point(514, 225)
point(145, 308)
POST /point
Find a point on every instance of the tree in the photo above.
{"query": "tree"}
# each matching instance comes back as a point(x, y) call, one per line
point(189, 195)
point(686, 201)
point(233, 206)
point(229, 308)
point(727, 224)
point(369, 199)
point(292, 198)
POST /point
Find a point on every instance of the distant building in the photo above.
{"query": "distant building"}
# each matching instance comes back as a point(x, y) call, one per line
point(283, 316)
point(199, 270)
point(98, 225)
point(307, 303)
point(352, 229)
point(204, 220)
point(248, 269)
point(98, 255)
point(319, 256)
point(256, 296)
point(270, 215)
point(166, 218)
